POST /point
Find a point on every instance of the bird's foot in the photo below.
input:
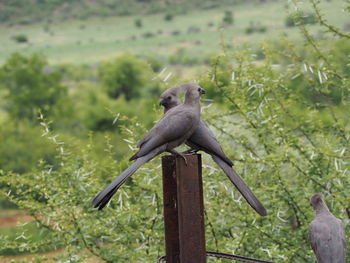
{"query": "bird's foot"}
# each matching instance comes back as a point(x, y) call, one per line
point(182, 155)
point(190, 151)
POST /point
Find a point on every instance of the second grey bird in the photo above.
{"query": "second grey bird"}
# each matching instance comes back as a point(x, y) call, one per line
point(204, 139)
point(171, 131)
point(327, 234)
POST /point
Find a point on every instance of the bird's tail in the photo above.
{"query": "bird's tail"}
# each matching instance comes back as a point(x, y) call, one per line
point(241, 186)
point(103, 197)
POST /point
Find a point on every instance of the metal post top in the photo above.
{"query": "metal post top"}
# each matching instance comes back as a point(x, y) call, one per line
point(172, 156)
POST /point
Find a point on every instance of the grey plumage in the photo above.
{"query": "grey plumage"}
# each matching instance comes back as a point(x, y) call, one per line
point(327, 234)
point(171, 131)
point(203, 139)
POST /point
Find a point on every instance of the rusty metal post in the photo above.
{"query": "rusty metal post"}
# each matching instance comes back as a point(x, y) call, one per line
point(183, 209)
point(171, 225)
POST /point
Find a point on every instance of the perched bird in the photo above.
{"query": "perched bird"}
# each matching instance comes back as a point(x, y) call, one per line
point(327, 234)
point(172, 130)
point(203, 139)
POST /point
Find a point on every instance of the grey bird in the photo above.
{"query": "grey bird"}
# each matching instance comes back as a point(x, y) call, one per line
point(204, 139)
point(172, 130)
point(327, 234)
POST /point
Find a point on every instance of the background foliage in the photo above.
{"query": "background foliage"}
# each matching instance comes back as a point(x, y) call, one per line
point(280, 111)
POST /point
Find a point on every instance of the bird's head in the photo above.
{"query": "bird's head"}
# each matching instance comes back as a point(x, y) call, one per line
point(193, 91)
point(169, 99)
point(316, 200)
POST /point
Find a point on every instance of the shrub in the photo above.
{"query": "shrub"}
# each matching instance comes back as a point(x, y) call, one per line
point(155, 63)
point(21, 38)
point(58, 197)
point(168, 17)
point(148, 35)
point(124, 75)
point(228, 18)
point(23, 147)
point(176, 32)
point(31, 85)
point(249, 30)
point(261, 29)
point(138, 22)
point(300, 18)
point(253, 27)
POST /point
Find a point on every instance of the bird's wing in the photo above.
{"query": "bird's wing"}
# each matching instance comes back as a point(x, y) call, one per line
point(204, 139)
point(320, 239)
point(102, 198)
point(338, 244)
point(149, 135)
point(172, 126)
point(241, 186)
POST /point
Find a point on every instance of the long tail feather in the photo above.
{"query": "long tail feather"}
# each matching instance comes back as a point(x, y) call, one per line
point(103, 197)
point(241, 186)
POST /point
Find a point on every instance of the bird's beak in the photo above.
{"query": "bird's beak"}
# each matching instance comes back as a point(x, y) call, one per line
point(202, 91)
point(162, 102)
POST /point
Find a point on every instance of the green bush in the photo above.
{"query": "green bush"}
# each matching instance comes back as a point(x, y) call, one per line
point(21, 38)
point(228, 18)
point(23, 147)
point(249, 30)
point(155, 63)
point(124, 75)
point(31, 85)
point(255, 27)
point(148, 35)
point(34, 233)
point(168, 17)
point(65, 210)
point(99, 113)
point(300, 18)
point(176, 32)
point(138, 22)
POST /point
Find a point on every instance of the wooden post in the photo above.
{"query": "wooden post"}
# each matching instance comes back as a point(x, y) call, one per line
point(183, 209)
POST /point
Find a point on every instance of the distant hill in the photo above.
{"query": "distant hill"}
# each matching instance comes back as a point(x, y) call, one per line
point(33, 11)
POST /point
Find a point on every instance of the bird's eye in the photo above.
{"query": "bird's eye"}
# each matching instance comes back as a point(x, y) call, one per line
point(199, 89)
point(169, 98)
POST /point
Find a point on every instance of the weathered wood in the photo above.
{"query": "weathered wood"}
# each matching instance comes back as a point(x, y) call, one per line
point(190, 209)
point(183, 209)
point(171, 225)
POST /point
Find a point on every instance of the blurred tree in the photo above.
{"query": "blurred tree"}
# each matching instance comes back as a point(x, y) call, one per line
point(138, 22)
point(168, 17)
point(123, 76)
point(14, 150)
point(228, 18)
point(30, 86)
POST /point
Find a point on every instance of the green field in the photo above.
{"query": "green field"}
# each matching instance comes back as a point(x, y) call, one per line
point(97, 39)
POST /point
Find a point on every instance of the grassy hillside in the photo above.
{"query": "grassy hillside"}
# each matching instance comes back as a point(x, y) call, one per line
point(196, 33)
point(32, 11)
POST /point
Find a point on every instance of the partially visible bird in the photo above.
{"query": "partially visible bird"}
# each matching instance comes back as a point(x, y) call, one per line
point(171, 131)
point(327, 234)
point(204, 139)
